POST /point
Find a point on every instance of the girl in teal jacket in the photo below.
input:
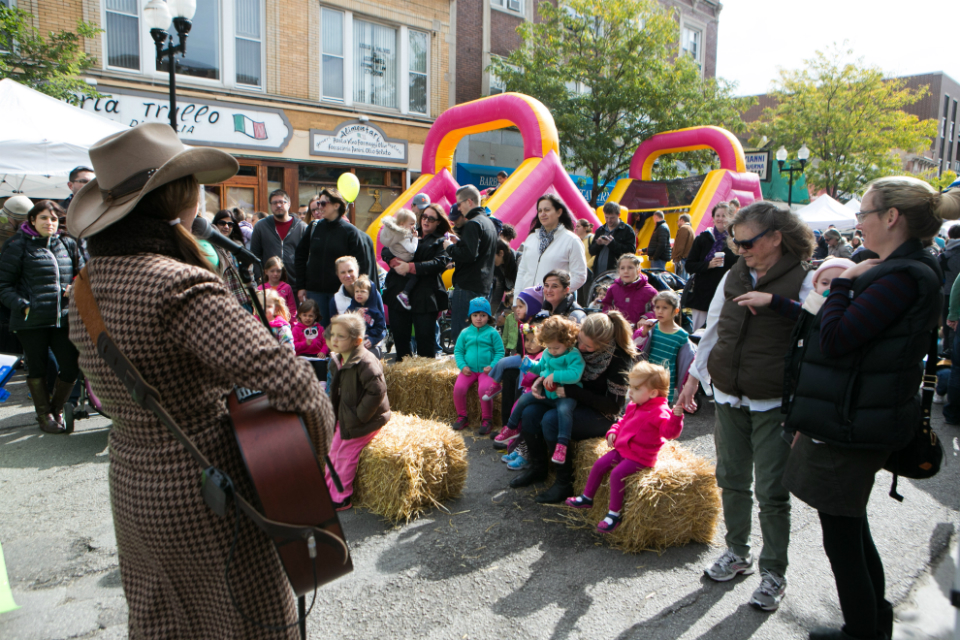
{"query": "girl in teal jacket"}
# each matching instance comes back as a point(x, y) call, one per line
point(479, 347)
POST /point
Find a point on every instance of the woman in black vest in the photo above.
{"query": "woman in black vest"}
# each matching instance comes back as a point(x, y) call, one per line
point(855, 400)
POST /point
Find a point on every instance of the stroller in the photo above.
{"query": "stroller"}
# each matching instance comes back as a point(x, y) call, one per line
point(87, 405)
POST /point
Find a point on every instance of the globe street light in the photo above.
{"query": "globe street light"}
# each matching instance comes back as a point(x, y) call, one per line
point(157, 15)
point(803, 154)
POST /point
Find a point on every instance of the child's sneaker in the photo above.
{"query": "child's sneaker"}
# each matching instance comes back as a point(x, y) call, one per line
point(343, 506)
point(507, 434)
point(404, 300)
point(492, 392)
point(610, 523)
point(508, 457)
point(518, 463)
point(559, 454)
point(486, 426)
point(579, 502)
point(937, 398)
point(461, 423)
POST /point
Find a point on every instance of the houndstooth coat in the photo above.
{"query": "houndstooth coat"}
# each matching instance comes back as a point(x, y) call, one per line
point(188, 337)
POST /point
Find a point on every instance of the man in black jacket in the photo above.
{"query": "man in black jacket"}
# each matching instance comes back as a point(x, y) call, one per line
point(473, 254)
point(659, 248)
point(324, 241)
point(612, 240)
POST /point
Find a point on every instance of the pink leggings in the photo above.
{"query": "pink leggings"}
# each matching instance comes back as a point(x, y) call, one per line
point(622, 468)
point(345, 456)
point(463, 384)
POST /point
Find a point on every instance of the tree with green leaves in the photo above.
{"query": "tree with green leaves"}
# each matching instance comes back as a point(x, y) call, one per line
point(51, 65)
point(610, 73)
point(942, 181)
point(850, 117)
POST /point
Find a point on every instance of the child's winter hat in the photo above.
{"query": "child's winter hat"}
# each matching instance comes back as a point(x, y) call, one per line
point(533, 298)
point(833, 263)
point(480, 305)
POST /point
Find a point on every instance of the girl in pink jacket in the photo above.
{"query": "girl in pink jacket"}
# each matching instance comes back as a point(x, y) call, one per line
point(636, 439)
point(308, 332)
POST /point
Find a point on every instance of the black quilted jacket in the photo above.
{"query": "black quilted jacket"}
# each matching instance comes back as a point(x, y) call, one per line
point(35, 273)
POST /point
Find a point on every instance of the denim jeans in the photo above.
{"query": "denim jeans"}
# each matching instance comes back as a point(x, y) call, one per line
point(322, 299)
point(658, 264)
point(951, 410)
point(510, 362)
point(461, 310)
point(561, 428)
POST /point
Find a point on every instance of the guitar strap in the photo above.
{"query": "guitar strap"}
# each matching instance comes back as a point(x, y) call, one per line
point(149, 398)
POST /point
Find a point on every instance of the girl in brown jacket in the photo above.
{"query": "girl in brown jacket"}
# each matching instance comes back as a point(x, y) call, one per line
point(359, 395)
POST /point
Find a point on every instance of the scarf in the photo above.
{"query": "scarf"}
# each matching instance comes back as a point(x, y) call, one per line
point(719, 243)
point(545, 237)
point(597, 362)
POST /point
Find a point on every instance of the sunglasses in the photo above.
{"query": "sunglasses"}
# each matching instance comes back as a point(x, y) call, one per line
point(323, 203)
point(748, 244)
point(223, 223)
point(430, 218)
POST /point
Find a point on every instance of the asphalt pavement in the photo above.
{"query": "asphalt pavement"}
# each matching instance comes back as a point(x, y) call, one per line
point(493, 565)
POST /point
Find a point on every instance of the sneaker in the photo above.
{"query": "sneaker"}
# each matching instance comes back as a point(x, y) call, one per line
point(486, 426)
point(507, 434)
point(518, 463)
point(343, 506)
point(509, 457)
point(729, 566)
point(404, 300)
point(461, 423)
point(559, 454)
point(938, 399)
point(610, 523)
point(579, 502)
point(768, 595)
point(492, 392)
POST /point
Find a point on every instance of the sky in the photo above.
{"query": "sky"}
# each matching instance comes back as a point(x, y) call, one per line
point(756, 37)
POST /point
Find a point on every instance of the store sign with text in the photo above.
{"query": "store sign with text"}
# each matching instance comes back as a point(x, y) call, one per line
point(199, 122)
point(358, 140)
point(758, 162)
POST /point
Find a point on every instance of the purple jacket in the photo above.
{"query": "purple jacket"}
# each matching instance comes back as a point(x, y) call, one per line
point(630, 299)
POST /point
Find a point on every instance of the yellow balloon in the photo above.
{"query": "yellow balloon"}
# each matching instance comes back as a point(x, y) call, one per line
point(349, 186)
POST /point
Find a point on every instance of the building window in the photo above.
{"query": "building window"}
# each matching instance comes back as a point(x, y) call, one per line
point(690, 43)
point(203, 45)
point(510, 5)
point(248, 42)
point(332, 48)
point(375, 64)
point(123, 34)
point(418, 72)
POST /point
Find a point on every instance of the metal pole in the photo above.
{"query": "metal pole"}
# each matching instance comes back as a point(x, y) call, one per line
point(173, 85)
point(789, 190)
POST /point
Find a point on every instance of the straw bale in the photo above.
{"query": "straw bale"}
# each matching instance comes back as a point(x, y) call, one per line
point(424, 387)
point(411, 466)
point(674, 503)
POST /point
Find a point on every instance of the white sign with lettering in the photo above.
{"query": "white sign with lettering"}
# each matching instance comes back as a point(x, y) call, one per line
point(199, 122)
point(758, 162)
point(360, 140)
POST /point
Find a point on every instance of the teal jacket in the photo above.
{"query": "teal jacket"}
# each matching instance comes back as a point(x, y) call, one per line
point(478, 348)
point(567, 369)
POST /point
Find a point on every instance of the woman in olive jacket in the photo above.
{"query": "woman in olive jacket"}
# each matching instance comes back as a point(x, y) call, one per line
point(36, 272)
point(429, 296)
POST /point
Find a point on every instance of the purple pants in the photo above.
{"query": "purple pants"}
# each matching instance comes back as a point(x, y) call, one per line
point(463, 384)
point(621, 469)
point(345, 456)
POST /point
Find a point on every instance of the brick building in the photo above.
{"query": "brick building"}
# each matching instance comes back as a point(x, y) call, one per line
point(298, 91)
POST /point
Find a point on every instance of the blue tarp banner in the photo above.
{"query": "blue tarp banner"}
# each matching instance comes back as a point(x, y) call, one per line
point(485, 177)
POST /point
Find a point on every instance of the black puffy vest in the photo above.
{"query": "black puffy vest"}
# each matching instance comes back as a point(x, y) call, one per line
point(34, 272)
point(869, 398)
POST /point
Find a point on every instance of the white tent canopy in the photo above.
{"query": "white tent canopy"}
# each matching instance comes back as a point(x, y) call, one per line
point(853, 204)
point(825, 211)
point(42, 139)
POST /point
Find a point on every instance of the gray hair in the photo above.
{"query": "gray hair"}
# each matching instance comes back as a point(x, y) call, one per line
point(831, 233)
point(469, 192)
point(797, 238)
point(685, 217)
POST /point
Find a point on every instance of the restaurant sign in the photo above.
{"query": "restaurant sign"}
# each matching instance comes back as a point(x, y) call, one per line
point(758, 162)
point(358, 140)
point(199, 122)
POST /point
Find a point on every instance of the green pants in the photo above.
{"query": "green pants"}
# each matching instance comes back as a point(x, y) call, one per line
point(752, 451)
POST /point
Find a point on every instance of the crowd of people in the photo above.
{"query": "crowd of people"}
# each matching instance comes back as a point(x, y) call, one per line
point(813, 367)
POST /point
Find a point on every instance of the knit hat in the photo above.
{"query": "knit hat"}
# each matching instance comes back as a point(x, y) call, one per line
point(480, 305)
point(420, 201)
point(16, 207)
point(533, 298)
point(833, 263)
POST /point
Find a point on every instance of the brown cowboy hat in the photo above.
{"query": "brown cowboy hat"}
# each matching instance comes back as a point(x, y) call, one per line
point(131, 164)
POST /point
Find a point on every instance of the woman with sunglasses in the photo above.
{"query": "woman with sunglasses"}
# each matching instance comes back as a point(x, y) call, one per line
point(429, 296)
point(227, 267)
point(705, 267)
point(741, 354)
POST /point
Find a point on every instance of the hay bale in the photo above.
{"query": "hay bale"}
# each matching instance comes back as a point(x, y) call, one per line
point(411, 466)
point(424, 387)
point(674, 503)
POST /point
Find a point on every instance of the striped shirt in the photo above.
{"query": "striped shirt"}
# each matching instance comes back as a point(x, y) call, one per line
point(664, 350)
point(847, 325)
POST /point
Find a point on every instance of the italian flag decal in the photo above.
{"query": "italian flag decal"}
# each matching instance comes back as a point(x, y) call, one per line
point(248, 127)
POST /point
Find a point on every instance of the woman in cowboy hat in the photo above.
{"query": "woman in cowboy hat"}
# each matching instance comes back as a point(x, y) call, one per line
point(161, 303)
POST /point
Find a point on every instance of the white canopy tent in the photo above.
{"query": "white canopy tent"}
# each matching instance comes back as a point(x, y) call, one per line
point(825, 211)
point(42, 139)
point(853, 204)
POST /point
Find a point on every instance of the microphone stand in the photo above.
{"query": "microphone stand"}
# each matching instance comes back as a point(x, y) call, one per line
point(249, 283)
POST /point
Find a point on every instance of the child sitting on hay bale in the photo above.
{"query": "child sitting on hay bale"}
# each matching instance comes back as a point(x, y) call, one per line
point(359, 396)
point(479, 348)
point(636, 438)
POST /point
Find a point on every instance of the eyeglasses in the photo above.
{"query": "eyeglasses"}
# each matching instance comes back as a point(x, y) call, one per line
point(323, 203)
point(278, 203)
point(429, 218)
point(862, 215)
point(748, 244)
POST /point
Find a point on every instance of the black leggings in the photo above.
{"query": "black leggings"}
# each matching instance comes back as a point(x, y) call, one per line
point(858, 571)
point(35, 344)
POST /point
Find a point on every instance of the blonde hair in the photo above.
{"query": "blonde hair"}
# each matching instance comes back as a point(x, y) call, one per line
point(363, 282)
point(343, 259)
point(403, 216)
point(558, 329)
point(605, 329)
point(670, 297)
point(652, 375)
point(274, 300)
point(353, 322)
point(635, 259)
point(924, 207)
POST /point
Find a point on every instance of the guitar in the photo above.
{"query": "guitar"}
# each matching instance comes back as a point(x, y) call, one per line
point(290, 486)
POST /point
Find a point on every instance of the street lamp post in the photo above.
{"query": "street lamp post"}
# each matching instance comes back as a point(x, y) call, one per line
point(157, 15)
point(802, 155)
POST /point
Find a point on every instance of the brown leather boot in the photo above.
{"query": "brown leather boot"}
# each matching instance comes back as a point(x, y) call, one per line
point(61, 393)
point(41, 402)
